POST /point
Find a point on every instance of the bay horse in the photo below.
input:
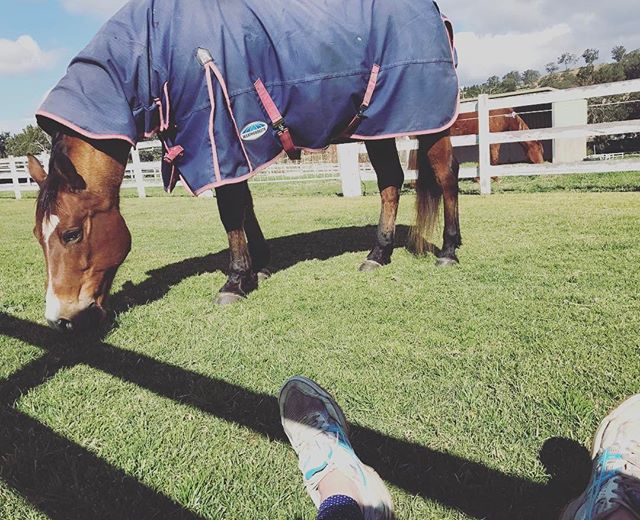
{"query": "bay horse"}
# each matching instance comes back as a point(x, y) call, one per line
point(157, 68)
point(500, 120)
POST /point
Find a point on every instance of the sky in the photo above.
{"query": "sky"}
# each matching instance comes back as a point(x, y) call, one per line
point(38, 38)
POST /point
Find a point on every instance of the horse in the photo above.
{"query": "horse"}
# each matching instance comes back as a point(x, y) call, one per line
point(500, 120)
point(100, 108)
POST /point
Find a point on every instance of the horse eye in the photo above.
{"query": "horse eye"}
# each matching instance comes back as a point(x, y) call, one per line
point(73, 235)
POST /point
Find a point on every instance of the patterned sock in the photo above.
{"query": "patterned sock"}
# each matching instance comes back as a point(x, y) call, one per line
point(339, 507)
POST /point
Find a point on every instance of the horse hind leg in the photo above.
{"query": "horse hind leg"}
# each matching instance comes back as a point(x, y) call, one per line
point(386, 163)
point(259, 249)
point(438, 177)
point(233, 201)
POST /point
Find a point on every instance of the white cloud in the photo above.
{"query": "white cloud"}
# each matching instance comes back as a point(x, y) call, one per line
point(102, 8)
point(481, 56)
point(496, 37)
point(23, 55)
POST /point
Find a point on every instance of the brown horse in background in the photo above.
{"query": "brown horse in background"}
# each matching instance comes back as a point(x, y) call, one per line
point(500, 120)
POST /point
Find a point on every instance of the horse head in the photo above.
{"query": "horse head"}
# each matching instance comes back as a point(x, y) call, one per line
point(80, 228)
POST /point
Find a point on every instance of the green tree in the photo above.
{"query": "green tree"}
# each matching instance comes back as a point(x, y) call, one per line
point(567, 59)
point(618, 52)
point(551, 67)
point(530, 77)
point(4, 137)
point(590, 56)
point(631, 64)
point(585, 75)
point(32, 140)
point(511, 81)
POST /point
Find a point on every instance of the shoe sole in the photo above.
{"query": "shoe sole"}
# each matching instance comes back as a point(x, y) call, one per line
point(378, 487)
point(318, 390)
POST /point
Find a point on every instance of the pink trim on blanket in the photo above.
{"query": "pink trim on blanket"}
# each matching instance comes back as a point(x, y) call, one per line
point(419, 132)
point(371, 86)
point(220, 79)
point(243, 178)
point(166, 98)
point(82, 131)
point(214, 150)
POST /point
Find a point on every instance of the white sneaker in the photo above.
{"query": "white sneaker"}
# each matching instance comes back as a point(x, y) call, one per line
point(615, 480)
point(317, 430)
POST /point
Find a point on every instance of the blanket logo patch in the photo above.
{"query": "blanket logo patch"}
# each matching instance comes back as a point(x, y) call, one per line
point(254, 131)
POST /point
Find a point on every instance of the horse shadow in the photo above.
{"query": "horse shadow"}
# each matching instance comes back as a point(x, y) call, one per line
point(286, 252)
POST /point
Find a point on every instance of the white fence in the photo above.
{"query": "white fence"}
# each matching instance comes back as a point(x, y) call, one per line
point(141, 175)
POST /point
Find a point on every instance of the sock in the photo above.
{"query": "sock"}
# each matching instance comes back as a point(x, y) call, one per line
point(339, 507)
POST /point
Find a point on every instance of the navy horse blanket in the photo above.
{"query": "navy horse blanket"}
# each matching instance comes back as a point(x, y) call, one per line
point(230, 84)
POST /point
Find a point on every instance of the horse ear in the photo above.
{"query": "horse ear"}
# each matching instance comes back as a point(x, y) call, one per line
point(67, 171)
point(36, 170)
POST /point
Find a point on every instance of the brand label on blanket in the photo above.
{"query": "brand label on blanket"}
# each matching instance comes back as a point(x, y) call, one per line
point(254, 131)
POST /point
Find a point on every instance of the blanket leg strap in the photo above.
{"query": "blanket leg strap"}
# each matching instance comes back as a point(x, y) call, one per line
point(277, 121)
point(366, 101)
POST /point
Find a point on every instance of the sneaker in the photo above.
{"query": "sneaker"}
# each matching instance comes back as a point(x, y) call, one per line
point(615, 480)
point(317, 430)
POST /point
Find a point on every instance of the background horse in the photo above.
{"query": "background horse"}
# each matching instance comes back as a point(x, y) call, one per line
point(500, 120)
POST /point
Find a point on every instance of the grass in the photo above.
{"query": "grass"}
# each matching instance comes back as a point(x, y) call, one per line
point(472, 390)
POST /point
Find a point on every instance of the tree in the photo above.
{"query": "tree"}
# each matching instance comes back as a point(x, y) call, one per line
point(530, 77)
point(493, 83)
point(32, 140)
point(551, 67)
point(631, 64)
point(618, 52)
point(511, 81)
point(590, 56)
point(567, 59)
point(4, 137)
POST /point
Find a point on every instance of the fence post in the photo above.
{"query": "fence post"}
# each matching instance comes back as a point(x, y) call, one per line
point(349, 165)
point(137, 172)
point(14, 175)
point(484, 155)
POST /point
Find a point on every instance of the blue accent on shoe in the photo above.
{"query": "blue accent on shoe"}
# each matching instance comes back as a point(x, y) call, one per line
point(601, 477)
point(311, 472)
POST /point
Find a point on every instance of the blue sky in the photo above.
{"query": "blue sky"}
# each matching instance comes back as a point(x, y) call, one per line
point(39, 37)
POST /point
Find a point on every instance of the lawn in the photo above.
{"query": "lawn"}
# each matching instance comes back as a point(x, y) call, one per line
point(474, 391)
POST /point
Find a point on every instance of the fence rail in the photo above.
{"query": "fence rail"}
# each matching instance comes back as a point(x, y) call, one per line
point(352, 171)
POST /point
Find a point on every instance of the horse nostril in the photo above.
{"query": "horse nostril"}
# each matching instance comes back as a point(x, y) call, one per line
point(64, 324)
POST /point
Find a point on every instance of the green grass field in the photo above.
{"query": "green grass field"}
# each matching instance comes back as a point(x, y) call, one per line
point(474, 391)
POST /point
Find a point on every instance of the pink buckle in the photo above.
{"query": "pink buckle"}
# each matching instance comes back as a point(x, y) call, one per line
point(173, 153)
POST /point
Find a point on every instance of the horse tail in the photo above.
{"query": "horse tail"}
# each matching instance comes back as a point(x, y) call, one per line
point(428, 197)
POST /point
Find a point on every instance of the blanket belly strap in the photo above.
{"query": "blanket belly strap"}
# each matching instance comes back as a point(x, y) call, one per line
point(366, 101)
point(277, 121)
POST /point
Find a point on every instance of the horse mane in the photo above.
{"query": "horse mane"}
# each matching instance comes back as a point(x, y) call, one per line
point(49, 190)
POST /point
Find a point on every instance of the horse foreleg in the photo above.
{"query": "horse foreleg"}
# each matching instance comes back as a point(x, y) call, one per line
point(386, 163)
point(494, 153)
point(259, 249)
point(233, 201)
point(445, 167)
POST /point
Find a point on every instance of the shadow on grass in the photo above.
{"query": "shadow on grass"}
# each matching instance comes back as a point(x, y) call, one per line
point(66, 481)
point(286, 252)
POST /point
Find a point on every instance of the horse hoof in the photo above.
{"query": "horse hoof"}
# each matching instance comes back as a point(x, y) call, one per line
point(369, 265)
point(445, 261)
point(227, 298)
point(263, 274)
